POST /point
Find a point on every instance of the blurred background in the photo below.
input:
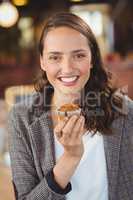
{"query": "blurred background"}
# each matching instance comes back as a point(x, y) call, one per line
point(21, 22)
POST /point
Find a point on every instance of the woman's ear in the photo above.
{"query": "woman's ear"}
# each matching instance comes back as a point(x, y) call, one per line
point(42, 63)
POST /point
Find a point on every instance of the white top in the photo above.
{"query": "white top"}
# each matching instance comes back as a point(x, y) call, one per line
point(89, 182)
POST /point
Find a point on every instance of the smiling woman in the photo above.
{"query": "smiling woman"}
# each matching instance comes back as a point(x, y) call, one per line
point(68, 64)
point(58, 159)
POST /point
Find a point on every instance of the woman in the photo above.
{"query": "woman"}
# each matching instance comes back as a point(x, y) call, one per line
point(81, 157)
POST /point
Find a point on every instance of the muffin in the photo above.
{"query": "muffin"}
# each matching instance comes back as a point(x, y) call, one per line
point(68, 110)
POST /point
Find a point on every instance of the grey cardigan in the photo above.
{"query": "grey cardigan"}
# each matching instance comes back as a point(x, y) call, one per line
point(31, 146)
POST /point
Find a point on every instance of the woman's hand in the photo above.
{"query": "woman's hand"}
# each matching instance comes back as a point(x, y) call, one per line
point(69, 133)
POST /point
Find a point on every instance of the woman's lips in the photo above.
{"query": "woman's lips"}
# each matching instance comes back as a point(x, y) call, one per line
point(69, 81)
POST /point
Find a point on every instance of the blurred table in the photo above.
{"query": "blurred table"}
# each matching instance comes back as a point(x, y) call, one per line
point(6, 188)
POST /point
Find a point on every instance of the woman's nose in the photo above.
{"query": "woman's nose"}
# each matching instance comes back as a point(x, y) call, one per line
point(67, 65)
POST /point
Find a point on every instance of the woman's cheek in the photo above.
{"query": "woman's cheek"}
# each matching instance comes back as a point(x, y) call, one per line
point(85, 69)
point(52, 71)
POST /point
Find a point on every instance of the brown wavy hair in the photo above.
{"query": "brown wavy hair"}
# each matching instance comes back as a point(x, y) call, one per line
point(100, 103)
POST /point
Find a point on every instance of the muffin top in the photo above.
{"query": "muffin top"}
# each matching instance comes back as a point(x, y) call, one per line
point(68, 107)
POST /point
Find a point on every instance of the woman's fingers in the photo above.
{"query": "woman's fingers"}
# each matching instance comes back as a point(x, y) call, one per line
point(59, 127)
point(68, 128)
point(69, 133)
point(82, 131)
point(78, 128)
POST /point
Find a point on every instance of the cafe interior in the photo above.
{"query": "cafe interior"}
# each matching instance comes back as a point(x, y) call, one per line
point(21, 22)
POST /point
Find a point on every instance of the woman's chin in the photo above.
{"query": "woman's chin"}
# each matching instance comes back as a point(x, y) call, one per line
point(73, 92)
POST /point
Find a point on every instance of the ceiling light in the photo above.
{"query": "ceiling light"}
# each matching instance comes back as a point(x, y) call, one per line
point(76, 1)
point(8, 14)
point(20, 2)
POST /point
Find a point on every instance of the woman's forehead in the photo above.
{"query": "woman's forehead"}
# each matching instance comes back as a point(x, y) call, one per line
point(65, 38)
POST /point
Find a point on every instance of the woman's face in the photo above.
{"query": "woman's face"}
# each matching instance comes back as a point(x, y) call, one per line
point(66, 60)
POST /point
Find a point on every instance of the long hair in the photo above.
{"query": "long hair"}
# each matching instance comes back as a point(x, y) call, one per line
point(99, 100)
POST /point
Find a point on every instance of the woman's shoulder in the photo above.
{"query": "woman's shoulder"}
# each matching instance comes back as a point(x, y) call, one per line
point(129, 115)
point(125, 113)
point(27, 110)
point(129, 108)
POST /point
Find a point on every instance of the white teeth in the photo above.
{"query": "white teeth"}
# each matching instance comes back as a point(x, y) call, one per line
point(70, 79)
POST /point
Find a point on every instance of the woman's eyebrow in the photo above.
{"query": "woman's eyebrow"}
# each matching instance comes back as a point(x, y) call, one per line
point(73, 51)
point(79, 50)
point(55, 52)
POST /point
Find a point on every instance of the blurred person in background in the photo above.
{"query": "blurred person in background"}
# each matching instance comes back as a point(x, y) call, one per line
point(87, 156)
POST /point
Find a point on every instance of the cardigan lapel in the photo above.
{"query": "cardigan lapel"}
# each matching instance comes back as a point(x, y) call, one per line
point(112, 150)
point(41, 135)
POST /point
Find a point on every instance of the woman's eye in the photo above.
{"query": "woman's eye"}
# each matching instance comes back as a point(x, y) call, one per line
point(53, 58)
point(79, 56)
